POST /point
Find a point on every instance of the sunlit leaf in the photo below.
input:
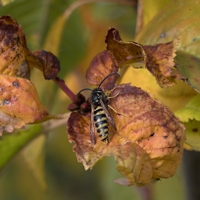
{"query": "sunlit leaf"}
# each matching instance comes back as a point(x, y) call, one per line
point(148, 144)
point(148, 9)
point(175, 97)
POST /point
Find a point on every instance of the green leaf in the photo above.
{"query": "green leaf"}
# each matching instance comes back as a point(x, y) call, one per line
point(190, 115)
point(171, 23)
point(188, 66)
point(190, 111)
point(11, 144)
point(193, 134)
point(34, 157)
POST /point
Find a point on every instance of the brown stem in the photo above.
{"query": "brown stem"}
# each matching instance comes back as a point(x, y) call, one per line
point(64, 88)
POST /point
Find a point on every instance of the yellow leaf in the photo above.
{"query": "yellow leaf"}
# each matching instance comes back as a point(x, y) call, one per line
point(174, 97)
point(179, 19)
point(151, 8)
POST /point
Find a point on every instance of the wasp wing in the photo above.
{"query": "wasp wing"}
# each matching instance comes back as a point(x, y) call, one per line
point(92, 128)
point(108, 115)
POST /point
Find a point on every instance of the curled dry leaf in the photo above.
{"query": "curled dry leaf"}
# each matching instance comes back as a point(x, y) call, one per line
point(102, 65)
point(124, 52)
point(147, 145)
point(19, 103)
point(50, 63)
point(158, 59)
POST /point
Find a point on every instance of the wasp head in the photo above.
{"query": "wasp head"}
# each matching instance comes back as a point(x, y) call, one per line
point(97, 95)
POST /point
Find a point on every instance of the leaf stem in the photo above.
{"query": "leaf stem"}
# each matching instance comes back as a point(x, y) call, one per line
point(64, 88)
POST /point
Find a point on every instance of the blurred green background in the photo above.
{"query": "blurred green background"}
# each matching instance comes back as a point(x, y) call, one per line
point(46, 168)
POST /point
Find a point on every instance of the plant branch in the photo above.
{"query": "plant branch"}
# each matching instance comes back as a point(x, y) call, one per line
point(64, 88)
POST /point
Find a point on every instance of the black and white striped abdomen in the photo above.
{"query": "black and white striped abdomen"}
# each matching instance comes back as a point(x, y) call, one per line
point(101, 123)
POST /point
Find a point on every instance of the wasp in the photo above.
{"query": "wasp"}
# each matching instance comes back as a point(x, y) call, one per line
point(100, 116)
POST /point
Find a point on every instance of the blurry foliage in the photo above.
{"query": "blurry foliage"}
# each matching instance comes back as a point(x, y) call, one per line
point(64, 178)
point(52, 172)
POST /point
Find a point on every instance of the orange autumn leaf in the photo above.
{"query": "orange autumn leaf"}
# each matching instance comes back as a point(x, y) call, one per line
point(147, 145)
point(19, 103)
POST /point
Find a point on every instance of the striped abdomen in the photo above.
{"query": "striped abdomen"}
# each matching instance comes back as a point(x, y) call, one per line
point(101, 123)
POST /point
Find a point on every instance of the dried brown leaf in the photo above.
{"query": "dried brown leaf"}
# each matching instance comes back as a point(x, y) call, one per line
point(124, 52)
point(102, 65)
point(50, 63)
point(158, 59)
point(160, 62)
point(148, 144)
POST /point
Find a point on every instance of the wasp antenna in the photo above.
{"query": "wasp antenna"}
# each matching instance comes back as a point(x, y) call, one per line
point(114, 73)
point(83, 90)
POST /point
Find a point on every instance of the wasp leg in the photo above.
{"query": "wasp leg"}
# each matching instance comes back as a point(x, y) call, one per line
point(113, 96)
point(117, 112)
